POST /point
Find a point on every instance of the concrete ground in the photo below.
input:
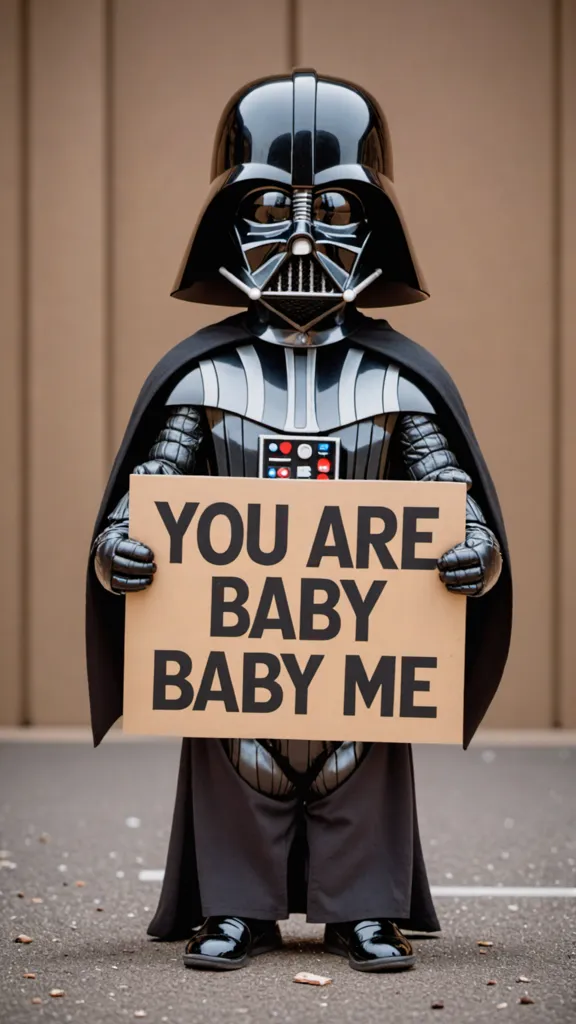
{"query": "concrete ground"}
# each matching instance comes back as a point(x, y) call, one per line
point(77, 828)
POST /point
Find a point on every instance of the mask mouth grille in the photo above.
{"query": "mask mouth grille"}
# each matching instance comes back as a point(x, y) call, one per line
point(301, 291)
point(302, 276)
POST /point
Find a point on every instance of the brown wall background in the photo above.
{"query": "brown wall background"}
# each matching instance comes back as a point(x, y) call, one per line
point(107, 113)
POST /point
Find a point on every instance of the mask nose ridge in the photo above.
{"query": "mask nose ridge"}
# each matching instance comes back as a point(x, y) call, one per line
point(301, 242)
point(301, 246)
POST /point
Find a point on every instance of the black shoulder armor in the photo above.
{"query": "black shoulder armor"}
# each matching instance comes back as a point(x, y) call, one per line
point(287, 389)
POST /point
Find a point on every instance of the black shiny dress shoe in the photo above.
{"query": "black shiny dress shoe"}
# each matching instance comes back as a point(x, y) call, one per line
point(227, 943)
point(374, 945)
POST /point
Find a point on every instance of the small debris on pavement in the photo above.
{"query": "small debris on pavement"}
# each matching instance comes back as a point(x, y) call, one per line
point(8, 864)
point(29, 974)
point(20, 895)
point(43, 837)
point(23, 939)
point(133, 822)
point(139, 1013)
point(523, 981)
point(36, 899)
point(79, 884)
point(484, 942)
point(526, 1000)
point(62, 867)
point(501, 1006)
point(99, 910)
point(305, 978)
point(483, 951)
point(438, 1005)
point(57, 993)
point(491, 982)
point(36, 1001)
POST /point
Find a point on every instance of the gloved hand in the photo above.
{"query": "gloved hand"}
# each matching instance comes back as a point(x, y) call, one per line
point(473, 567)
point(123, 565)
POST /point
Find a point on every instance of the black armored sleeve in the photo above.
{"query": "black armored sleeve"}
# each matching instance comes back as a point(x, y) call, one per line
point(123, 564)
point(471, 568)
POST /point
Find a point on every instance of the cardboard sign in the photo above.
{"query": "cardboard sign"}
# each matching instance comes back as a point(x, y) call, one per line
point(296, 610)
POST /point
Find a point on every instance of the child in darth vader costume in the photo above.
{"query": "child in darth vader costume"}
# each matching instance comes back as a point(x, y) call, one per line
point(302, 226)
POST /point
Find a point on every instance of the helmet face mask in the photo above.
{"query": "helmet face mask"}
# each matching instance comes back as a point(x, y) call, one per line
point(302, 216)
point(300, 248)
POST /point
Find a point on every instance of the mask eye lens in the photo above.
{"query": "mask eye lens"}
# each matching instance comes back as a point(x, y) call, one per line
point(267, 208)
point(337, 209)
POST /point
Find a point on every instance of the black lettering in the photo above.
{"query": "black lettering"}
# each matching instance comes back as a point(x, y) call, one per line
point(302, 678)
point(252, 682)
point(280, 536)
point(409, 686)
point(366, 539)
point(273, 590)
point(163, 679)
point(362, 606)
point(382, 678)
point(331, 519)
point(234, 606)
point(220, 508)
point(309, 607)
point(176, 527)
point(216, 665)
point(411, 537)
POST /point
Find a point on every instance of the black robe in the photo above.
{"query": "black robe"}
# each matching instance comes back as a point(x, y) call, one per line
point(488, 620)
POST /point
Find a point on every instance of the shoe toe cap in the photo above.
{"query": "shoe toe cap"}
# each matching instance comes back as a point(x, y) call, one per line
point(378, 950)
point(213, 946)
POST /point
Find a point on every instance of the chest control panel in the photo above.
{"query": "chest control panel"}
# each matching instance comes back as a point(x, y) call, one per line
point(299, 457)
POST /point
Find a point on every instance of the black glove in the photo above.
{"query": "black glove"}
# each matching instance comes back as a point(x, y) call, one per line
point(473, 567)
point(123, 565)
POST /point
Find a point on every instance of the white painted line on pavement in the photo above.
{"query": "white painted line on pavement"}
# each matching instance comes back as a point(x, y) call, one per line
point(518, 891)
point(469, 891)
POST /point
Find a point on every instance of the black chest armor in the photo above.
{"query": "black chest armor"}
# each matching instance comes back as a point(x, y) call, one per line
point(337, 390)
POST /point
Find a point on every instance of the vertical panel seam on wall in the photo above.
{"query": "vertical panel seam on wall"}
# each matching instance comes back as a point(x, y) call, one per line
point(292, 35)
point(24, 368)
point(557, 439)
point(109, 235)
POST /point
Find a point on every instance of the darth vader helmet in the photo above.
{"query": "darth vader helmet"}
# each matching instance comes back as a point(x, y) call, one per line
point(302, 218)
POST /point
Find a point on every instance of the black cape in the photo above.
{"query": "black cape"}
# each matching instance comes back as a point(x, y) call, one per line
point(489, 619)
